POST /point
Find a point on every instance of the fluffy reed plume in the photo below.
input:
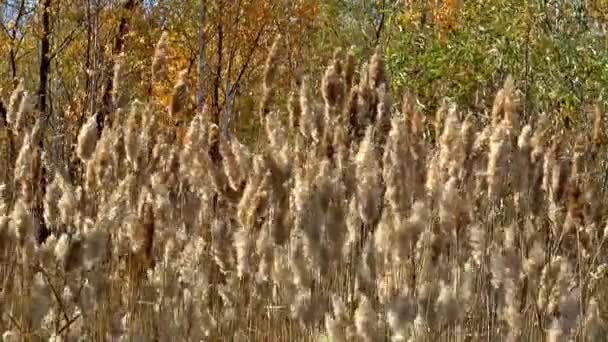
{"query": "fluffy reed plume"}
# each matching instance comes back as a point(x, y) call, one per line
point(179, 97)
point(295, 111)
point(338, 324)
point(366, 321)
point(159, 61)
point(12, 112)
point(332, 85)
point(120, 93)
point(87, 139)
point(51, 199)
point(25, 109)
point(498, 158)
point(25, 164)
point(369, 188)
point(351, 223)
point(132, 132)
point(309, 120)
point(598, 135)
point(350, 68)
point(271, 75)
point(377, 70)
point(21, 223)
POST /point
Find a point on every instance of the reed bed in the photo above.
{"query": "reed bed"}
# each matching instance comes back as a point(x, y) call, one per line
point(355, 218)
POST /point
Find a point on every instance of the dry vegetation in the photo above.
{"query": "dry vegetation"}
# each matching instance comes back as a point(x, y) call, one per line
point(354, 220)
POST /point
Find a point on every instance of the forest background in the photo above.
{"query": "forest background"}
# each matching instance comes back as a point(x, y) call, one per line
point(65, 51)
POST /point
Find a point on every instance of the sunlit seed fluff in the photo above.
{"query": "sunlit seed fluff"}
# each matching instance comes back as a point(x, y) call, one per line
point(271, 67)
point(497, 161)
point(87, 139)
point(119, 90)
point(433, 176)
point(555, 332)
point(132, 131)
point(335, 228)
point(251, 189)
point(525, 138)
point(447, 305)
point(25, 163)
point(369, 187)
point(242, 157)
point(97, 246)
point(594, 326)
point(159, 62)
point(231, 167)
point(221, 238)
point(569, 306)
point(102, 158)
point(407, 233)
point(377, 70)
point(179, 97)
point(56, 338)
point(61, 248)
point(277, 136)
point(337, 324)
point(366, 321)
point(270, 76)
point(299, 265)
point(6, 235)
point(302, 307)
point(598, 134)
point(51, 199)
point(244, 246)
point(384, 113)
point(257, 203)
point(308, 121)
point(451, 205)
point(498, 108)
point(367, 275)
point(295, 112)
point(512, 311)
point(353, 224)
point(25, 109)
point(510, 104)
point(67, 204)
point(332, 86)
point(197, 133)
point(350, 67)
point(479, 245)
point(3, 199)
point(400, 313)
point(15, 102)
point(265, 251)
point(448, 139)
point(308, 217)
point(466, 141)
point(384, 236)
point(11, 336)
point(22, 224)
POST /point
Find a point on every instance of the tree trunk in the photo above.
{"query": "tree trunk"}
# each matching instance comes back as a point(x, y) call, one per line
point(119, 42)
point(217, 84)
point(2, 115)
point(41, 106)
point(13, 36)
point(214, 149)
point(45, 62)
point(200, 92)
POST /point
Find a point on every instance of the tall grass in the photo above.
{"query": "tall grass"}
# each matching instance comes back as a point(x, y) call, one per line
point(357, 219)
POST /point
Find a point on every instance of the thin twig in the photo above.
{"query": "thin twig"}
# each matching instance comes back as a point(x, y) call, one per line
point(67, 325)
point(55, 293)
